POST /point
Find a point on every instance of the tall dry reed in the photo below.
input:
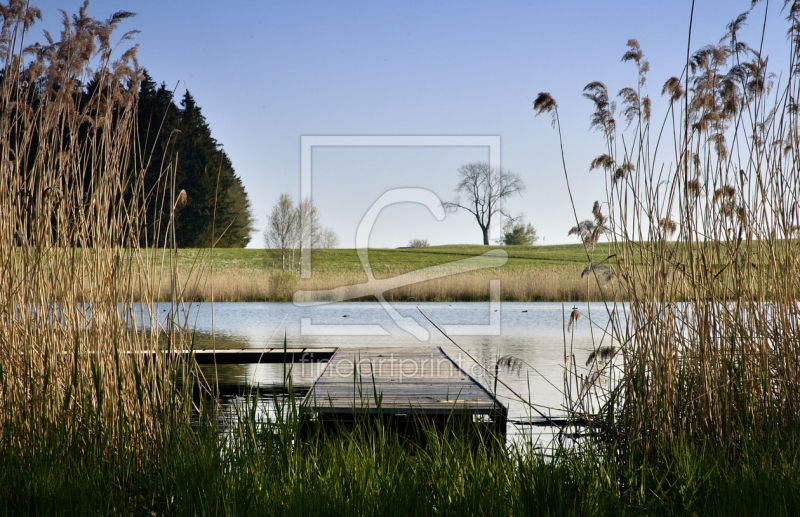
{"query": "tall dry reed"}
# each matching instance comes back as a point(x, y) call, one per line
point(72, 198)
point(703, 219)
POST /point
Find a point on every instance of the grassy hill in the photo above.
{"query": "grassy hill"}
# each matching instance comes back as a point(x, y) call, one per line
point(394, 260)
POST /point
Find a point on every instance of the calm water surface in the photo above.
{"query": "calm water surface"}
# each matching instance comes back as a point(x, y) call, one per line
point(532, 332)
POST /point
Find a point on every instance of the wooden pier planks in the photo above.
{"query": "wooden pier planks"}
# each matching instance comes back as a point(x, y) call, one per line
point(397, 381)
point(251, 355)
point(267, 355)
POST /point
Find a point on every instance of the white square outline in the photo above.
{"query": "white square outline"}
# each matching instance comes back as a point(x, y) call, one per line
point(308, 142)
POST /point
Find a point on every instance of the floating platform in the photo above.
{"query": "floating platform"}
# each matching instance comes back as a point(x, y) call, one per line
point(399, 383)
point(249, 355)
point(265, 355)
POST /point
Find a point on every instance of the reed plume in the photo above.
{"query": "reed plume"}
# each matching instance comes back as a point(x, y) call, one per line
point(545, 103)
point(707, 340)
point(72, 205)
point(574, 316)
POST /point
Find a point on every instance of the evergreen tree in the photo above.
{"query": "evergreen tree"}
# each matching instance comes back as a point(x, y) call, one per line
point(217, 207)
point(158, 120)
point(243, 222)
point(168, 138)
point(198, 165)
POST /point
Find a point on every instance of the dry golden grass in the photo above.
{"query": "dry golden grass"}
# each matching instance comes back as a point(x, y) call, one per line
point(72, 198)
point(519, 284)
point(723, 365)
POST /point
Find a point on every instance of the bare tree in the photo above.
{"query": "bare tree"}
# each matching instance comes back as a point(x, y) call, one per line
point(282, 227)
point(307, 230)
point(285, 230)
point(485, 190)
point(328, 239)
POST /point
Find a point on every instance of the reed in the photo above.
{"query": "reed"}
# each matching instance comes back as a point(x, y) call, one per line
point(72, 199)
point(702, 218)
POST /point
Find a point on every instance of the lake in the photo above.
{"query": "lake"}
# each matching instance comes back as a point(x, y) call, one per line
point(532, 332)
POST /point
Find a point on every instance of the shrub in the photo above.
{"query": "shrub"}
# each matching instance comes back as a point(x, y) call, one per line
point(418, 243)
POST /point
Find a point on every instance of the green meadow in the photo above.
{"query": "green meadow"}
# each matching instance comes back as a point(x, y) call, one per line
point(389, 260)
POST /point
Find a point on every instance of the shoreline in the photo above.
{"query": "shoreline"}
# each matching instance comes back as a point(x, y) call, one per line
point(517, 284)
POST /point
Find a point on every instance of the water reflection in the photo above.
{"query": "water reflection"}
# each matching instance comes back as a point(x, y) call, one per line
point(532, 332)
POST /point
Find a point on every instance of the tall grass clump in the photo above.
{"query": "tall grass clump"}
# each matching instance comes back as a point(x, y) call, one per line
point(72, 197)
point(702, 217)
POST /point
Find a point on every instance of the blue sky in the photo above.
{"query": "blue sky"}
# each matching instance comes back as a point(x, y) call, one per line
point(266, 73)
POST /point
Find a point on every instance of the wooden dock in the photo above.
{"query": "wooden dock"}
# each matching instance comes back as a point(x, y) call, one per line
point(265, 355)
point(399, 382)
point(249, 355)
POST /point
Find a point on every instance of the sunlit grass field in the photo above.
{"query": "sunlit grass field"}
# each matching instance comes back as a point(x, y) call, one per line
point(391, 260)
point(531, 273)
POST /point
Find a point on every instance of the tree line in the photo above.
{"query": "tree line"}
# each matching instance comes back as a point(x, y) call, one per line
point(171, 143)
point(210, 202)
